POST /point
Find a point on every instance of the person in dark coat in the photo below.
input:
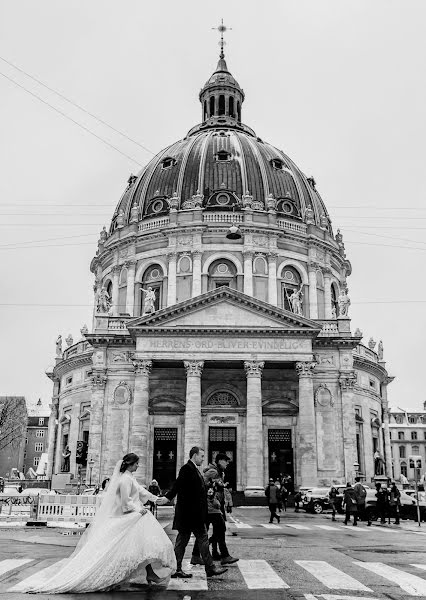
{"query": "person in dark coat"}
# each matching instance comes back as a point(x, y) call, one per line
point(273, 495)
point(191, 513)
point(360, 496)
point(395, 502)
point(350, 505)
point(332, 498)
point(381, 502)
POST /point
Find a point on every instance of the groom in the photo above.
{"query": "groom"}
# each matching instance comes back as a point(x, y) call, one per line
point(191, 513)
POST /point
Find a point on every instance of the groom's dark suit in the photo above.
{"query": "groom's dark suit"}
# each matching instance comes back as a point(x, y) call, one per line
point(190, 513)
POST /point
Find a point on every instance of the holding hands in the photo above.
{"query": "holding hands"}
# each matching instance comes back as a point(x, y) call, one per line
point(162, 501)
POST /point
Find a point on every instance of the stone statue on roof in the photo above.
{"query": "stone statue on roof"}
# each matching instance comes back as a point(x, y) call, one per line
point(149, 302)
point(59, 347)
point(344, 302)
point(295, 300)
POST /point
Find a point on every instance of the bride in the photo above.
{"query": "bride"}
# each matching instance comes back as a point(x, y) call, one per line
point(124, 546)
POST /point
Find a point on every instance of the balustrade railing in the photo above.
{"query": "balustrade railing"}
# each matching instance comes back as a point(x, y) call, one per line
point(291, 225)
point(154, 223)
point(219, 217)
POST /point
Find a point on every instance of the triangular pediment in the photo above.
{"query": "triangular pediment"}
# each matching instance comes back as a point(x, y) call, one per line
point(224, 308)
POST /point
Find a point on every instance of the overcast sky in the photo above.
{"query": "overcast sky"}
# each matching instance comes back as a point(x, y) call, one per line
point(339, 86)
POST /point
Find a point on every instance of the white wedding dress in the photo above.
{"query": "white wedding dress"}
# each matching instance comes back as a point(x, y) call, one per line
point(115, 549)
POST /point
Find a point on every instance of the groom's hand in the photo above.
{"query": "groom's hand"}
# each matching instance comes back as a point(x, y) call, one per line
point(143, 511)
point(161, 501)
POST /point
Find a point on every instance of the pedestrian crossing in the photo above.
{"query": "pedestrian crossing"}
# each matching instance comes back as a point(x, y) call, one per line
point(303, 576)
point(235, 523)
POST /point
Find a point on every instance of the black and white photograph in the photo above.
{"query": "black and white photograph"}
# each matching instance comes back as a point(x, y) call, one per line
point(212, 308)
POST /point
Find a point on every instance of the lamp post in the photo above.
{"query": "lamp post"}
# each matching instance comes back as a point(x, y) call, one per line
point(356, 469)
point(91, 464)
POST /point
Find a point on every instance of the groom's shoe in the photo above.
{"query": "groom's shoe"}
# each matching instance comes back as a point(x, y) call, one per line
point(181, 575)
point(229, 560)
point(213, 571)
point(196, 560)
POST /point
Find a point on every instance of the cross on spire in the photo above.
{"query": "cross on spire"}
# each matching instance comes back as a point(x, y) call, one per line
point(222, 28)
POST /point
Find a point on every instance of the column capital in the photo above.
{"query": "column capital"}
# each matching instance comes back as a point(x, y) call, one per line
point(327, 271)
point(272, 257)
point(129, 264)
point(306, 368)
point(313, 265)
point(347, 381)
point(248, 254)
point(196, 253)
point(142, 367)
point(99, 379)
point(254, 368)
point(116, 269)
point(193, 368)
point(172, 255)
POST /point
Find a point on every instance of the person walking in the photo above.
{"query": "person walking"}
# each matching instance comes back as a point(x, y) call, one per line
point(228, 500)
point(350, 505)
point(154, 488)
point(332, 496)
point(395, 502)
point(381, 502)
point(273, 495)
point(191, 513)
point(214, 478)
point(360, 496)
point(284, 496)
point(297, 500)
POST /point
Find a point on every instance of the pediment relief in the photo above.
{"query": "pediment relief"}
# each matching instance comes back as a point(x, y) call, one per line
point(166, 404)
point(283, 404)
point(65, 420)
point(85, 415)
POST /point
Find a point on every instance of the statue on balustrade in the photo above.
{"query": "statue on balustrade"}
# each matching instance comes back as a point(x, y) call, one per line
point(295, 301)
point(104, 301)
point(59, 347)
point(149, 302)
point(380, 350)
point(378, 463)
point(344, 302)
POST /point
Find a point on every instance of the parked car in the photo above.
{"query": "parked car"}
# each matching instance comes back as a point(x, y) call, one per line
point(10, 490)
point(316, 500)
point(35, 492)
point(407, 510)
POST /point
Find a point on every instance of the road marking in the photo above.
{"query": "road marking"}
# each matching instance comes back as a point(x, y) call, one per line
point(334, 597)
point(12, 563)
point(238, 524)
point(327, 527)
point(330, 576)
point(270, 526)
point(419, 566)
point(258, 574)
point(198, 580)
point(413, 585)
point(296, 526)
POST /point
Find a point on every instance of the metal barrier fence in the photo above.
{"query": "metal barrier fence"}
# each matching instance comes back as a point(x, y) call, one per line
point(74, 509)
point(18, 508)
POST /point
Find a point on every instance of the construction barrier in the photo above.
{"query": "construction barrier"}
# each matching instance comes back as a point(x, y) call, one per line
point(18, 508)
point(69, 508)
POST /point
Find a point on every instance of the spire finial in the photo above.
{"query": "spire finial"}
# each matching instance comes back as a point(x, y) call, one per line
point(222, 28)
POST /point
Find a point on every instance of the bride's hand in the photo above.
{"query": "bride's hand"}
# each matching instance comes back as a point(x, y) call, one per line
point(143, 511)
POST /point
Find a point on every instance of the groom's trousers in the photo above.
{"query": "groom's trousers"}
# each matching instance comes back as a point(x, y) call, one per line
point(202, 540)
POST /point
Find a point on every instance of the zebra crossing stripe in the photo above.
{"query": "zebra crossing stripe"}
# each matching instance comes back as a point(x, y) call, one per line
point(413, 585)
point(334, 597)
point(198, 580)
point(423, 567)
point(258, 574)
point(327, 527)
point(330, 576)
point(270, 526)
point(9, 564)
point(296, 526)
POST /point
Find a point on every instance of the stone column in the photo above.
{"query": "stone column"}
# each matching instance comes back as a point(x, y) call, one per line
point(306, 458)
point(139, 424)
point(196, 273)
point(347, 381)
point(272, 279)
point(171, 285)
point(194, 369)
point(254, 429)
point(130, 293)
point(327, 292)
point(248, 273)
point(52, 432)
point(115, 279)
point(99, 380)
point(313, 302)
point(386, 433)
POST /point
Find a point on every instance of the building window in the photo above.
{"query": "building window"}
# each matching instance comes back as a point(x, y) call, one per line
point(399, 419)
point(291, 284)
point(390, 434)
point(222, 272)
point(40, 433)
point(415, 450)
point(412, 419)
point(402, 452)
point(277, 163)
point(372, 384)
point(168, 162)
point(414, 435)
point(424, 434)
point(223, 155)
point(41, 421)
point(36, 460)
point(122, 292)
point(404, 469)
point(39, 447)
point(401, 435)
point(68, 381)
point(25, 454)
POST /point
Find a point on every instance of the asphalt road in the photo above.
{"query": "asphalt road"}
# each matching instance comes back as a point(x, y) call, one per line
point(304, 557)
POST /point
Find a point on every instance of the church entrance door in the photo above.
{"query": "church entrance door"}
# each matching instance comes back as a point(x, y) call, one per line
point(224, 439)
point(280, 455)
point(164, 459)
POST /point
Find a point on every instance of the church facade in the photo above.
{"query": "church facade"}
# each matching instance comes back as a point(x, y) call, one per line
point(221, 319)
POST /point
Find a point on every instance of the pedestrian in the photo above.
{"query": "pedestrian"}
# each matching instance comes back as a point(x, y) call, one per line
point(191, 513)
point(395, 502)
point(284, 496)
point(100, 491)
point(154, 488)
point(350, 505)
point(228, 500)
point(360, 496)
point(381, 502)
point(214, 478)
point(273, 495)
point(297, 500)
point(280, 500)
point(332, 496)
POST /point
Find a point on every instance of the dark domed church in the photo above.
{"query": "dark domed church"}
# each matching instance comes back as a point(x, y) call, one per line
point(221, 319)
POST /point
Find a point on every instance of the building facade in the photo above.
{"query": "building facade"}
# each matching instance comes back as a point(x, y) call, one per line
point(37, 435)
point(221, 318)
point(408, 438)
point(13, 418)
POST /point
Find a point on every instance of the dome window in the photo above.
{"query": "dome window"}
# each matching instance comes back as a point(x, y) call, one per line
point(223, 156)
point(168, 162)
point(277, 164)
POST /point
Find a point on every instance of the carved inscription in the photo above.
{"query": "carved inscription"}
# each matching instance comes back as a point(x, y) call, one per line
point(227, 344)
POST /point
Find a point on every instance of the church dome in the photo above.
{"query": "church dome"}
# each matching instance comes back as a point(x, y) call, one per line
point(223, 165)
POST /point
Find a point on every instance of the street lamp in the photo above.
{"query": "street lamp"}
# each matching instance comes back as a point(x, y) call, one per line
point(356, 469)
point(91, 464)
